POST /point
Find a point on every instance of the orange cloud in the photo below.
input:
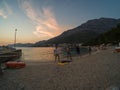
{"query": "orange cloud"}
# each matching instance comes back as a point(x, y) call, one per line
point(40, 30)
point(46, 23)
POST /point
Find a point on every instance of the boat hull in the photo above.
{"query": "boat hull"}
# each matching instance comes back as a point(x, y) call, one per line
point(15, 64)
point(12, 55)
point(117, 49)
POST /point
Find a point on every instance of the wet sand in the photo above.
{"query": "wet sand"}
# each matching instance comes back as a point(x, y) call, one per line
point(99, 71)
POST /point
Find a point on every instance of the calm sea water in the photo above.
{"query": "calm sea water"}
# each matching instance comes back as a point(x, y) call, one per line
point(43, 54)
point(37, 54)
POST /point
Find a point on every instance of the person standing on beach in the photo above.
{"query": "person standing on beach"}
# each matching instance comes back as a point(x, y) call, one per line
point(78, 49)
point(57, 54)
point(69, 56)
point(1, 72)
point(89, 50)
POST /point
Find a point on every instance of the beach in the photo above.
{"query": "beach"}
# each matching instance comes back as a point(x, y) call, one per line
point(98, 71)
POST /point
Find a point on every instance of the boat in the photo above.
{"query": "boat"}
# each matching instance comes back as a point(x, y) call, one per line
point(15, 64)
point(9, 54)
point(117, 49)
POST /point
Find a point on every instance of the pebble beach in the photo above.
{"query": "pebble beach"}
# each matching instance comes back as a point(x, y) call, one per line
point(98, 71)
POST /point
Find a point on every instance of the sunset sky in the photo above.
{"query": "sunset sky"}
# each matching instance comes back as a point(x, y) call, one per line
point(37, 20)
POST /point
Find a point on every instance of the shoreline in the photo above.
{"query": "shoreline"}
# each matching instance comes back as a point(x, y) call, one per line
point(62, 58)
point(94, 72)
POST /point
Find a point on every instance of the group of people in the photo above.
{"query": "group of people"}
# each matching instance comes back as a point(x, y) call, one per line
point(57, 53)
point(67, 51)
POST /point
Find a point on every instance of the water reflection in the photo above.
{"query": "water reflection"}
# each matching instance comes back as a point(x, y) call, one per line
point(39, 54)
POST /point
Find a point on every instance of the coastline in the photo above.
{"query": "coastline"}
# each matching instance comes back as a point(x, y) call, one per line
point(98, 71)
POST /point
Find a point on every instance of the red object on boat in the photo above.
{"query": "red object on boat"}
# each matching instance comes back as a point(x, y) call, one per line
point(117, 49)
point(14, 64)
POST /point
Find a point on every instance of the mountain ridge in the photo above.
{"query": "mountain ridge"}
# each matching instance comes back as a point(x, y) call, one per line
point(83, 33)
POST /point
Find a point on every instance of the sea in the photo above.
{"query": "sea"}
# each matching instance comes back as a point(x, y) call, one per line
point(37, 54)
point(43, 54)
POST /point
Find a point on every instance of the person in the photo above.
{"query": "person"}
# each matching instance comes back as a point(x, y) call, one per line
point(69, 56)
point(78, 49)
point(57, 54)
point(1, 72)
point(89, 50)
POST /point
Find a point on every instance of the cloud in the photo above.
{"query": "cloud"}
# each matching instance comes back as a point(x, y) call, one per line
point(46, 23)
point(50, 19)
point(29, 11)
point(2, 14)
point(40, 30)
point(8, 8)
point(5, 10)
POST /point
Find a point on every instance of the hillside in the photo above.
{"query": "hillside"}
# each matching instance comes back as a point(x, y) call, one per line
point(112, 36)
point(85, 32)
point(21, 45)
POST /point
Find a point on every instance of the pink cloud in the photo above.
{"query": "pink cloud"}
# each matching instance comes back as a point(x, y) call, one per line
point(46, 23)
point(41, 30)
point(29, 10)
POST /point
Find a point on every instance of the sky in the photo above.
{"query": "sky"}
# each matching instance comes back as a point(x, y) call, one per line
point(37, 20)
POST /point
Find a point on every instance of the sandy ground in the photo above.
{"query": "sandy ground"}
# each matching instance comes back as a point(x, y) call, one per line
point(99, 71)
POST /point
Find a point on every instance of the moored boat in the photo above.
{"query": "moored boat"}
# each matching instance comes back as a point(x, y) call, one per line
point(15, 64)
point(117, 49)
point(9, 54)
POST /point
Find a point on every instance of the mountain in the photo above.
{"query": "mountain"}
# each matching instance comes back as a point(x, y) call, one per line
point(110, 37)
point(21, 45)
point(85, 32)
point(41, 44)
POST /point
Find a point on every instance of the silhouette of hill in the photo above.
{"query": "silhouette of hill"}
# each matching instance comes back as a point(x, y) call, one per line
point(83, 33)
point(21, 45)
point(110, 37)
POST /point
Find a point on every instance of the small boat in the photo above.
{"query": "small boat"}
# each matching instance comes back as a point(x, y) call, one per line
point(9, 54)
point(15, 64)
point(117, 49)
